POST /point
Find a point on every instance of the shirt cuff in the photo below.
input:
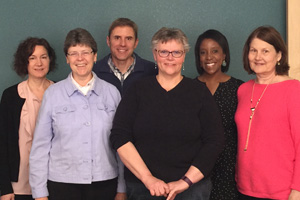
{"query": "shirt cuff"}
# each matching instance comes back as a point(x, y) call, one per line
point(41, 192)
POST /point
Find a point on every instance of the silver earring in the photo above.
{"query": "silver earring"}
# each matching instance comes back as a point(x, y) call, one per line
point(182, 66)
point(224, 63)
point(278, 63)
point(155, 66)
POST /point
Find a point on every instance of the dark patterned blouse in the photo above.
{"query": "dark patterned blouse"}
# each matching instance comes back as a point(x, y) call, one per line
point(224, 186)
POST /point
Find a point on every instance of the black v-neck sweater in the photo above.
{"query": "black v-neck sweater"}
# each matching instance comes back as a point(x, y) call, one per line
point(171, 130)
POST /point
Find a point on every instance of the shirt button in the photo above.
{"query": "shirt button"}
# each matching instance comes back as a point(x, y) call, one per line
point(87, 123)
point(85, 107)
point(65, 109)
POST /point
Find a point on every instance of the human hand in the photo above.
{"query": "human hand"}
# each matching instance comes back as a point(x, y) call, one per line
point(120, 196)
point(156, 186)
point(176, 187)
point(10, 196)
point(294, 195)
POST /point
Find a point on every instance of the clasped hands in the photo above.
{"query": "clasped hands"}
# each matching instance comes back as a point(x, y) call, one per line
point(158, 187)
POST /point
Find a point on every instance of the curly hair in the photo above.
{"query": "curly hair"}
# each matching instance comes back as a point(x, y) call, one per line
point(26, 49)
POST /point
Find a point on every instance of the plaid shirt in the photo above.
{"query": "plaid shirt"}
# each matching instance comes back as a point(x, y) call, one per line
point(117, 72)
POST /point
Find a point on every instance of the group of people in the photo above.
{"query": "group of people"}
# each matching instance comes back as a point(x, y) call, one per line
point(212, 137)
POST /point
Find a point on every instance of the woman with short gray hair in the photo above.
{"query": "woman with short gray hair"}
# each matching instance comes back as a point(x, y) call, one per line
point(167, 128)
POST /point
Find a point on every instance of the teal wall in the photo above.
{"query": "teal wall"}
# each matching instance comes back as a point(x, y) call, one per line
point(52, 19)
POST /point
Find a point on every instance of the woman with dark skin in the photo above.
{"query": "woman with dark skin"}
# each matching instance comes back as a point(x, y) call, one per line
point(212, 61)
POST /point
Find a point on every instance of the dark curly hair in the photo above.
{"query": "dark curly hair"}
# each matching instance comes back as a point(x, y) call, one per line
point(220, 39)
point(26, 49)
point(273, 37)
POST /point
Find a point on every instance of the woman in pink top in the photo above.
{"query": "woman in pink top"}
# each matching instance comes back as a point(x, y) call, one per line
point(267, 118)
point(19, 108)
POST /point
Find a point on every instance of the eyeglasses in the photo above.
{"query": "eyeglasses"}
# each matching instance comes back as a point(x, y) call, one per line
point(165, 53)
point(76, 54)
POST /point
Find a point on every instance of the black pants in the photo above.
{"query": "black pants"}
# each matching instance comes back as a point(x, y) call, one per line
point(104, 190)
point(23, 197)
point(245, 197)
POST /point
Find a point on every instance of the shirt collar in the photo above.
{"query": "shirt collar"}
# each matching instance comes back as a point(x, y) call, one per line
point(115, 69)
point(84, 89)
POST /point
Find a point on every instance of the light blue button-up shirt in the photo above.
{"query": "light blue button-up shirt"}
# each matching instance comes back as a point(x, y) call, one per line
point(71, 139)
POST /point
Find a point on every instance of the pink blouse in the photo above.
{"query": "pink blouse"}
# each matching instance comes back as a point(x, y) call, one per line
point(28, 117)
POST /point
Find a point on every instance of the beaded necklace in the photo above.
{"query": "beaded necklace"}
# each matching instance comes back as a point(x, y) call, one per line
point(253, 108)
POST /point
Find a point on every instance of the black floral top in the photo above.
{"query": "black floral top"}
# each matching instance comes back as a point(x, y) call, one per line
point(224, 186)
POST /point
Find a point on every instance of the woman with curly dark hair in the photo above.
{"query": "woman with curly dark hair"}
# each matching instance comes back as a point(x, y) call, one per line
point(19, 108)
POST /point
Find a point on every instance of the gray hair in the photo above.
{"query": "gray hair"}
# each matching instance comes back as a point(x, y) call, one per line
point(164, 35)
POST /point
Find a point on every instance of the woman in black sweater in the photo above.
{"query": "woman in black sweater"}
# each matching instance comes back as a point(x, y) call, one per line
point(167, 129)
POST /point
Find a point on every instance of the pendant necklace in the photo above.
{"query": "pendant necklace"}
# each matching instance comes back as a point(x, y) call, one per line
point(253, 108)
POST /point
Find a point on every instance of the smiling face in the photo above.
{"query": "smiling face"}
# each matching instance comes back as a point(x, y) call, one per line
point(38, 63)
point(169, 65)
point(211, 56)
point(81, 60)
point(263, 57)
point(122, 43)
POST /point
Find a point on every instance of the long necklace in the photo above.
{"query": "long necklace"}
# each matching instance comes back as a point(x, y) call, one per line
point(253, 108)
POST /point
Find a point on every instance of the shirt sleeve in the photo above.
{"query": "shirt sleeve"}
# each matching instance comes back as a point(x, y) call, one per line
point(121, 180)
point(294, 116)
point(124, 118)
point(212, 134)
point(5, 182)
point(39, 155)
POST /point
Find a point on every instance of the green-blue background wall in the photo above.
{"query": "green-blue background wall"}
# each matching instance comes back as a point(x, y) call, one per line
point(52, 19)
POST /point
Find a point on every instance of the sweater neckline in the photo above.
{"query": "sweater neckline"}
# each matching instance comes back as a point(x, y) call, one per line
point(173, 89)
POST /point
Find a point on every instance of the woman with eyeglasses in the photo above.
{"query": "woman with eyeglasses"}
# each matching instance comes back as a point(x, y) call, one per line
point(19, 108)
point(167, 128)
point(71, 157)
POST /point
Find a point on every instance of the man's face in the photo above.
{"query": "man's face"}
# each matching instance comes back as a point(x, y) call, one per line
point(122, 43)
